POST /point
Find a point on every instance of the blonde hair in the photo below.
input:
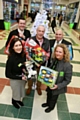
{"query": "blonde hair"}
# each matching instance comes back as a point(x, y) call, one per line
point(66, 56)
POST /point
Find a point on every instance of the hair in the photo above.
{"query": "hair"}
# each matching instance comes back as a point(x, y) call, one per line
point(21, 18)
point(66, 56)
point(41, 26)
point(59, 29)
point(11, 50)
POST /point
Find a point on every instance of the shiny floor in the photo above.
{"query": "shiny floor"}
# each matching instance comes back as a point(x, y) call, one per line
point(68, 105)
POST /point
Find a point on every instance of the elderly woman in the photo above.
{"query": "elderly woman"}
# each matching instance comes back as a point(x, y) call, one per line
point(60, 63)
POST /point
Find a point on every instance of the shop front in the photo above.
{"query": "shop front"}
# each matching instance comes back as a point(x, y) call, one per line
point(10, 12)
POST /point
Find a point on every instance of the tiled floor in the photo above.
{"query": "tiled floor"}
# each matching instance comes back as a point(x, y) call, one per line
point(68, 105)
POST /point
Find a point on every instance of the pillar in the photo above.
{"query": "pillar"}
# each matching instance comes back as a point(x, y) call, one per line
point(1, 9)
point(1, 16)
point(29, 6)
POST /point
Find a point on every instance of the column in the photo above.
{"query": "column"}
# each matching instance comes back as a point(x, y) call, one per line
point(1, 16)
point(22, 5)
point(29, 6)
point(1, 9)
point(78, 14)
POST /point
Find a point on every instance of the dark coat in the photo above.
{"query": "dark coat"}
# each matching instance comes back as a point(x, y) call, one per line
point(52, 42)
point(64, 76)
point(15, 32)
point(53, 23)
point(13, 71)
point(45, 45)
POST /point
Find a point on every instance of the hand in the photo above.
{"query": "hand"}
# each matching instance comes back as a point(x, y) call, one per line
point(21, 35)
point(53, 88)
point(24, 77)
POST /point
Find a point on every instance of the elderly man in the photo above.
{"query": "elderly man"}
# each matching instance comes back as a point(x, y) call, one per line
point(43, 43)
point(21, 32)
point(59, 39)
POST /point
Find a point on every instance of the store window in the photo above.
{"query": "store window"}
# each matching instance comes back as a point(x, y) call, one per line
point(9, 10)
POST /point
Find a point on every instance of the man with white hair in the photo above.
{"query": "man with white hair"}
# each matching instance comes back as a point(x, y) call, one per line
point(44, 44)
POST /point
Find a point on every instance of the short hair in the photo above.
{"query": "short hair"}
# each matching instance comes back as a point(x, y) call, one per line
point(41, 26)
point(65, 50)
point(59, 29)
point(21, 18)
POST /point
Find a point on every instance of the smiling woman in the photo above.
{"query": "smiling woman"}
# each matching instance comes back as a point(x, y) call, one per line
point(15, 73)
point(60, 63)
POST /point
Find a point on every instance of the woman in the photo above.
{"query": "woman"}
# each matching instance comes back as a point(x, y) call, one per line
point(14, 72)
point(60, 63)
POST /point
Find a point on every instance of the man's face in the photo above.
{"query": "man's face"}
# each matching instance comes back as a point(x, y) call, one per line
point(40, 32)
point(22, 24)
point(59, 35)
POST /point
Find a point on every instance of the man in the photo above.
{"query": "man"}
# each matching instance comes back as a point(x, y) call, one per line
point(59, 39)
point(21, 32)
point(44, 43)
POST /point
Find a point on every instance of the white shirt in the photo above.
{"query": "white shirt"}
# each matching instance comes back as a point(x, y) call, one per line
point(57, 43)
point(20, 31)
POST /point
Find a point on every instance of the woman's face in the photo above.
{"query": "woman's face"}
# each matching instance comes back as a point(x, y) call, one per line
point(59, 54)
point(17, 47)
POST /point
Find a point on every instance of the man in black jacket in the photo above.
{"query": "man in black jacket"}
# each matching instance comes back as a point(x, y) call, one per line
point(21, 32)
point(59, 39)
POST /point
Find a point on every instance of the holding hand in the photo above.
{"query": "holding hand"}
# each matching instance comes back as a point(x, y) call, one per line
point(21, 35)
point(54, 87)
point(24, 77)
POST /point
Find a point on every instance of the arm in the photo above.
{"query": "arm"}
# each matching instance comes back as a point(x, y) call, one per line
point(9, 70)
point(66, 79)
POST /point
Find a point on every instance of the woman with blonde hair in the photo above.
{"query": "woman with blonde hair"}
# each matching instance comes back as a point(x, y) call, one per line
point(60, 63)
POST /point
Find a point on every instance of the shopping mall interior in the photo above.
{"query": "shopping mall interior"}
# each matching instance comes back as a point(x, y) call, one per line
point(68, 104)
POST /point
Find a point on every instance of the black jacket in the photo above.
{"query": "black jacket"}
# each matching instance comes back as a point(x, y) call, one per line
point(15, 32)
point(64, 76)
point(13, 70)
point(45, 45)
point(52, 42)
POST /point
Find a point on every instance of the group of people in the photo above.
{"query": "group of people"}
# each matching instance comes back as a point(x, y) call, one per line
point(59, 60)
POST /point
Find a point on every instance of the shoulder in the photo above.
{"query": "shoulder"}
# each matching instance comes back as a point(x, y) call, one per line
point(26, 31)
point(14, 31)
point(68, 65)
point(52, 41)
point(66, 42)
point(10, 59)
point(45, 39)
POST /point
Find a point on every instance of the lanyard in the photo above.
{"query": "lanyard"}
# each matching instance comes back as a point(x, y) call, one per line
point(55, 64)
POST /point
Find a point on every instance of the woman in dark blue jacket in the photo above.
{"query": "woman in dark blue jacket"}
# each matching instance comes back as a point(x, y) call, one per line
point(60, 63)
